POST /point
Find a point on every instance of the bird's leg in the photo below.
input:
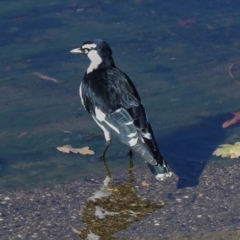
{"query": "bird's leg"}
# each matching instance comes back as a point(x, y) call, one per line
point(105, 149)
point(130, 165)
point(106, 168)
point(130, 153)
point(130, 171)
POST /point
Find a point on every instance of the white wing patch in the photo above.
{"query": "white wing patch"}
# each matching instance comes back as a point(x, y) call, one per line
point(105, 131)
point(111, 126)
point(129, 123)
point(132, 134)
point(80, 93)
point(120, 122)
point(95, 60)
point(147, 135)
point(101, 116)
point(133, 142)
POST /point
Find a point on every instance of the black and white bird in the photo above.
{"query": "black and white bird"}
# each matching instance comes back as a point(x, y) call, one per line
point(110, 97)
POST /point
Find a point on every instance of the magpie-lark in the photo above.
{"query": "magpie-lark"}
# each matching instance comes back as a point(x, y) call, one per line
point(110, 97)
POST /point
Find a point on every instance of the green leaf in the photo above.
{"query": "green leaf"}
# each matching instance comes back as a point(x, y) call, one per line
point(228, 150)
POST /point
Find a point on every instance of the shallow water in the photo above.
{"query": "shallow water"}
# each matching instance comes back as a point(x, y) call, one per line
point(180, 70)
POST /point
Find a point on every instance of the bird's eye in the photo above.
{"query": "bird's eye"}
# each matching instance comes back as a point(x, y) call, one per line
point(86, 51)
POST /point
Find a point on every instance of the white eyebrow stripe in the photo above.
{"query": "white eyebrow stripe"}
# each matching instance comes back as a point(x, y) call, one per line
point(89, 46)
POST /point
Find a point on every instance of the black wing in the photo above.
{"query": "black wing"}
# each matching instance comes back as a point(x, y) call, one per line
point(109, 90)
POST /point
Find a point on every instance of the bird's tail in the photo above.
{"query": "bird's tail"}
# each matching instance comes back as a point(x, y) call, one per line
point(138, 135)
point(153, 158)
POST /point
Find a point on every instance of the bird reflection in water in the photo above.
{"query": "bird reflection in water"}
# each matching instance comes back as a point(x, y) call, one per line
point(113, 208)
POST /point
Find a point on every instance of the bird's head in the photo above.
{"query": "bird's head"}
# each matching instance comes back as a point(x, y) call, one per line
point(97, 50)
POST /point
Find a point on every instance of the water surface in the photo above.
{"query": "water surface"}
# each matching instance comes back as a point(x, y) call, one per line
point(177, 53)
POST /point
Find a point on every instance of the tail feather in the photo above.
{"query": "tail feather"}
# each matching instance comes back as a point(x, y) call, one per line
point(157, 165)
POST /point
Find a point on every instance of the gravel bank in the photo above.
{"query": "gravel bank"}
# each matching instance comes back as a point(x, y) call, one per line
point(209, 210)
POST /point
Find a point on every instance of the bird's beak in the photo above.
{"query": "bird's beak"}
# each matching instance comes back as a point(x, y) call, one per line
point(76, 50)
